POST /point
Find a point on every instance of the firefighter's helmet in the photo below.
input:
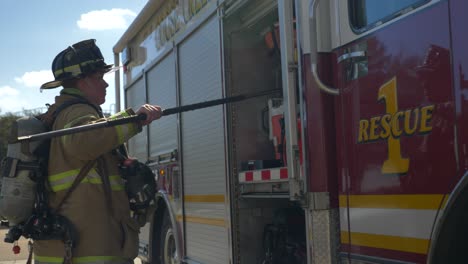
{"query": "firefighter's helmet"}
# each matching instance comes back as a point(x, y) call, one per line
point(76, 61)
point(437, 58)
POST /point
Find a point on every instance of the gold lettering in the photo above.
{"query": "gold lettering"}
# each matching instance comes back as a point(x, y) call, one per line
point(426, 117)
point(385, 123)
point(392, 125)
point(396, 131)
point(363, 126)
point(407, 126)
point(374, 122)
point(395, 162)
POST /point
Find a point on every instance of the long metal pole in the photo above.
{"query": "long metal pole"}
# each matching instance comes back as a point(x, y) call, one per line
point(226, 100)
point(83, 128)
point(136, 118)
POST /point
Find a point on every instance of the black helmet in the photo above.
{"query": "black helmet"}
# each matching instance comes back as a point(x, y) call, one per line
point(75, 61)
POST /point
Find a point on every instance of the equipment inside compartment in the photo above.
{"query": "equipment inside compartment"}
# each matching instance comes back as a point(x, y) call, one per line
point(252, 65)
point(256, 126)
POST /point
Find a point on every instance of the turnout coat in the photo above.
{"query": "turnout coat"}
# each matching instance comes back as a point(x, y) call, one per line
point(106, 233)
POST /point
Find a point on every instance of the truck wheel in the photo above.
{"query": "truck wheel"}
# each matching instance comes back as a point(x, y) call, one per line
point(167, 242)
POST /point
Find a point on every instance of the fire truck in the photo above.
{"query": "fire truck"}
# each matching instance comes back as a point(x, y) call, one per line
point(358, 154)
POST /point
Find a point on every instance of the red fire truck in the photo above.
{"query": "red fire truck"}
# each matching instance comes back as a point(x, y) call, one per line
point(360, 158)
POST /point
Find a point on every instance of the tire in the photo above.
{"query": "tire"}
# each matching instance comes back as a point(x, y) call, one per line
point(167, 245)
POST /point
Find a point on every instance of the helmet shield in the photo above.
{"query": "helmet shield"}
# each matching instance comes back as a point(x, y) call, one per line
point(77, 60)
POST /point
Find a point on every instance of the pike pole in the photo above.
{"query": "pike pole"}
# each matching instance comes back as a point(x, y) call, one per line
point(140, 117)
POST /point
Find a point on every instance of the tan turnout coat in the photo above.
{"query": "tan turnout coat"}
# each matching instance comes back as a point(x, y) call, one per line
point(105, 235)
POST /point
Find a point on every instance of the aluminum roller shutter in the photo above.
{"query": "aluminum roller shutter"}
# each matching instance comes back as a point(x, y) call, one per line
point(162, 91)
point(203, 143)
point(135, 97)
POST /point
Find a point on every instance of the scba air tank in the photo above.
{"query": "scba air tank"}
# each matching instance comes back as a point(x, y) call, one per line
point(19, 171)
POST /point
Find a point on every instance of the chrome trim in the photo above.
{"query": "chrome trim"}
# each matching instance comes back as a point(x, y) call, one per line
point(354, 54)
point(300, 82)
point(321, 85)
point(318, 200)
point(227, 203)
point(313, 51)
point(289, 81)
point(117, 83)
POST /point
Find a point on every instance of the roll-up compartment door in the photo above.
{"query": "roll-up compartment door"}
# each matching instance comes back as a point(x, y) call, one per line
point(135, 97)
point(203, 146)
point(162, 91)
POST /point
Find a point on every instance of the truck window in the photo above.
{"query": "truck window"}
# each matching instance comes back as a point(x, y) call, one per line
point(366, 14)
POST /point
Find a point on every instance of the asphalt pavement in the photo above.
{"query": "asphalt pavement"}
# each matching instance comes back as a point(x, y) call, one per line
point(8, 257)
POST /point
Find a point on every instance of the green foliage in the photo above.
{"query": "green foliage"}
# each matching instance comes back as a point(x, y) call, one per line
point(5, 124)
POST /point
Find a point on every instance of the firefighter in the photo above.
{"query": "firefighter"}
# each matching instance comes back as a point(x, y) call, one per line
point(98, 206)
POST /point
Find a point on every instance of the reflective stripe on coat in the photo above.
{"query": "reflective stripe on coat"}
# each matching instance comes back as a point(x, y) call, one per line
point(105, 234)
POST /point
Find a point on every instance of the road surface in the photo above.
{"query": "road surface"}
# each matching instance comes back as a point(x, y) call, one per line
point(6, 253)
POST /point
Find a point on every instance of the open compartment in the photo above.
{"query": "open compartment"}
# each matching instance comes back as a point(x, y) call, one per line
point(261, 209)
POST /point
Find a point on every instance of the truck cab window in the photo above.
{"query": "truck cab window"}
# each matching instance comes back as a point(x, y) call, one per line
point(365, 14)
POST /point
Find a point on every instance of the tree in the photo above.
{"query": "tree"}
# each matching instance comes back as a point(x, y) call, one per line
point(6, 121)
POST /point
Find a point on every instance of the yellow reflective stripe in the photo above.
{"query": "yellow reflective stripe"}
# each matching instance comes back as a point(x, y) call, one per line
point(78, 120)
point(89, 259)
point(394, 201)
point(64, 180)
point(123, 131)
point(120, 134)
point(94, 180)
point(405, 244)
point(62, 175)
point(119, 115)
point(72, 91)
point(47, 259)
point(117, 183)
point(202, 220)
point(64, 186)
point(76, 69)
point(96, 258)
point(207, 198)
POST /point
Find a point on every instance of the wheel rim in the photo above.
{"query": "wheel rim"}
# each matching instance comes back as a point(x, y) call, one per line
point(170, 253)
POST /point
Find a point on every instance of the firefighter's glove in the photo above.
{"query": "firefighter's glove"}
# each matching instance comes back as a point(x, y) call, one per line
point(140, 183)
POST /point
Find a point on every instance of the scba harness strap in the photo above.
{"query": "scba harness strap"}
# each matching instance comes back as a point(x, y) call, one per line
point(69, 236)
point(44, 223)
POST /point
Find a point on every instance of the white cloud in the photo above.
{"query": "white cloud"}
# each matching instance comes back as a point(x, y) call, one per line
point(35, 78)
point(105, 19)
point(17, 100)
point(9, 99)
point(8, 91)
point(9, 105)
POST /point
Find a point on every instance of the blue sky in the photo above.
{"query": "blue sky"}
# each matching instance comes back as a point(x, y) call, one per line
point(33, 32)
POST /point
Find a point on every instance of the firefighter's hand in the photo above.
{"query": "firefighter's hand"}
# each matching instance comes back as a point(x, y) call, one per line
point(152, 112)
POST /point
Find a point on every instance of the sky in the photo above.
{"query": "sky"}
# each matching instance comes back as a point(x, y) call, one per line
point(33, 32)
